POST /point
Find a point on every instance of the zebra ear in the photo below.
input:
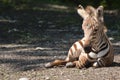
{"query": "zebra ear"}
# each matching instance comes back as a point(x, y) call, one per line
point(99, 12)
point(82, 12)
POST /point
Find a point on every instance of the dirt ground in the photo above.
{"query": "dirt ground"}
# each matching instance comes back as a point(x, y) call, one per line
point(27, 61)
point(58, 33)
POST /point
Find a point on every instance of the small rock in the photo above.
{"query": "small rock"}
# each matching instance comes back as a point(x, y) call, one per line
point(24, 78)
point(47, 78)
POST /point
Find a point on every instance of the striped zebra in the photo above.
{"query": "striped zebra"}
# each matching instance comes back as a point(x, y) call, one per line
point(94, 49)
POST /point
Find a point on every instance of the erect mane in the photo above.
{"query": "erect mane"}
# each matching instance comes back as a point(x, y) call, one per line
point(90, 10)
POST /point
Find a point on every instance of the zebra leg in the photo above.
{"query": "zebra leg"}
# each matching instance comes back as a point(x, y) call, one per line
point(70, 58)
point(73, 55)
point(55, 63)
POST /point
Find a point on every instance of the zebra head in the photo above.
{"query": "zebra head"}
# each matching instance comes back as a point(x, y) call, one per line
point(93, 22)
point(91, 12)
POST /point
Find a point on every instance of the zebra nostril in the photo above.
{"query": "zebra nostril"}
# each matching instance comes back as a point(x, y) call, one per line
point(87, 49)
point(96, 29)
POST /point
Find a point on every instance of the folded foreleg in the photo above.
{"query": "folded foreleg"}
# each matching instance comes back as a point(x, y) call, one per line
point(83, 62)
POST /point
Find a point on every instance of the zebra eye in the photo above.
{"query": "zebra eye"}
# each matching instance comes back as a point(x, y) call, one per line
point(88, 26)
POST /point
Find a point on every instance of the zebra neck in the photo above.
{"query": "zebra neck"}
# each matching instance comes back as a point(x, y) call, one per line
point(99, 42)
point(101, 53)
point(104, 51)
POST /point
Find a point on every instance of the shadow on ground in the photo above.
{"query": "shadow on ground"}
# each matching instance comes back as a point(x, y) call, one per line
point(23, 57)
point(26, 57)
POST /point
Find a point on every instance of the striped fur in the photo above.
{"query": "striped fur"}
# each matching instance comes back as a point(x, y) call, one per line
point(94, 49)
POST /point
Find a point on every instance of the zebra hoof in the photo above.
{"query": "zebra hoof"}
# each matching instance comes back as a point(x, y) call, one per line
point(70, 65)
point(48, 65)
point(95, 65)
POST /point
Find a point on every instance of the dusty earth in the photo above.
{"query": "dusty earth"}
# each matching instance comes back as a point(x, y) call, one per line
point(23, 60)
point(27, 59)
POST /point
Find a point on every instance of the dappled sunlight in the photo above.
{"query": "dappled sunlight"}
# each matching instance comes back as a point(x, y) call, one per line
point(54, 7)
point(116, 46)
point(20, 47)
point(13, 45)
point(22, 57)
point(7, 20)
point(116, 43)
point(112, 12)
point(22, 51)
point(57, 6)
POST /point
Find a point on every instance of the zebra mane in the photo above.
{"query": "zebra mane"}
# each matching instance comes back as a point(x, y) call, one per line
point(90, 10)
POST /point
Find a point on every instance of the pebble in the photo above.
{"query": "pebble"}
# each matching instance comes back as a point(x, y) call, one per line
point(47, 78)
point(24, 78)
